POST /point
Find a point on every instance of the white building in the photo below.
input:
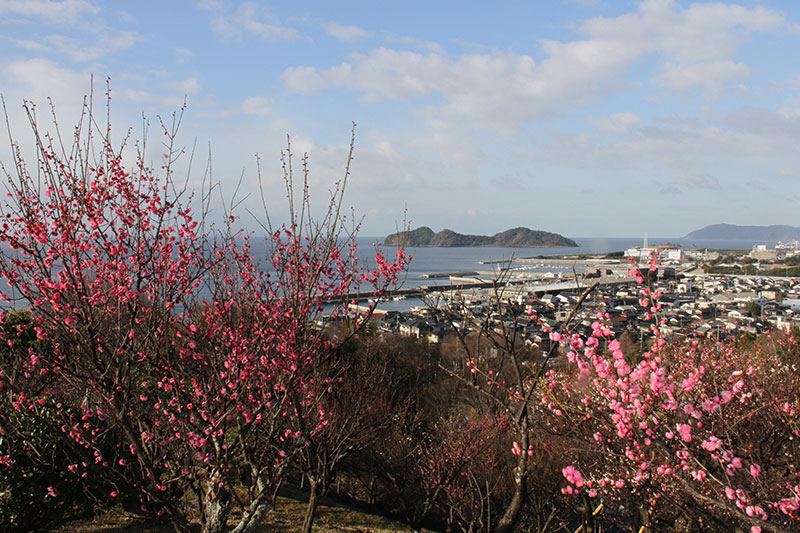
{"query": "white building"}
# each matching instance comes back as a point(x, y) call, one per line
point(762, 253)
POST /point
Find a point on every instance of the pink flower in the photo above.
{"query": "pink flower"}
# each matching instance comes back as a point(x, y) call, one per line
point(52, 492)
point(573, 476)
point(685, 432)
point(516, 448)
point(755, 470)
point(711, 444)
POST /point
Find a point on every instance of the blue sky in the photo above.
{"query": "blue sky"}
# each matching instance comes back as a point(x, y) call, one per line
point(587, 118)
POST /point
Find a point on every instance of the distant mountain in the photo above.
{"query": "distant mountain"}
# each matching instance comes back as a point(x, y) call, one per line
point(753, 233)
point(512, 238)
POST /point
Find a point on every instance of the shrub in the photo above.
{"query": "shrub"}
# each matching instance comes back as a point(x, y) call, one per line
point(167, 354)
point(701, 431)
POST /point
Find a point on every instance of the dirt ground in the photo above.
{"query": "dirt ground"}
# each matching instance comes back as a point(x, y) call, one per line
point(287, 517)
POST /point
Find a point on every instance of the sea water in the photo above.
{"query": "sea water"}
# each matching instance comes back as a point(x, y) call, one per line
point(432, 260)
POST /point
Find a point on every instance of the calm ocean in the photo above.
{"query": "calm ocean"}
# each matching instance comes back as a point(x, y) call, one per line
point(429, 260)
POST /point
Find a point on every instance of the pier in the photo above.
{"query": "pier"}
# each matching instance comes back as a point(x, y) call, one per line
point(526, 285)
point(448, 274)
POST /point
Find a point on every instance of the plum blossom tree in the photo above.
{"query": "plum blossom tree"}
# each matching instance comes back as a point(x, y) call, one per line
point(496, 364)
point(100, 256)
point(161, 334)
point(357, 398)
point(696, 430)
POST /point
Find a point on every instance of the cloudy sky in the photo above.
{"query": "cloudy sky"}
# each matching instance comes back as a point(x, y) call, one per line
point(587, 118)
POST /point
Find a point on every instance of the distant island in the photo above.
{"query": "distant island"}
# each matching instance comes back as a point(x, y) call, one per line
point(512, 238)
point(754, 233)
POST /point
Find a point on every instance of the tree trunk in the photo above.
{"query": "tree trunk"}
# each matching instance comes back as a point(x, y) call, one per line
point(371, 498)
point(588, 515)
point(512, 513)
point(313, 503)
point(215, 509)
point(254, 514)
point(261, 505)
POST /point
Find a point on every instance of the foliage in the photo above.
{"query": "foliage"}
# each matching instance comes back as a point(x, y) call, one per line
point(506, 380)
point(359, 395)
point(791, 271)
point(32, 450)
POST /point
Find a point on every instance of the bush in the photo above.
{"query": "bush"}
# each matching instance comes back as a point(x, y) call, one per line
point(165, 354)
point(704, 432)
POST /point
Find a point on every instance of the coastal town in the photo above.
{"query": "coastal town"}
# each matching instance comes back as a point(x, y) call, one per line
point(702, 293)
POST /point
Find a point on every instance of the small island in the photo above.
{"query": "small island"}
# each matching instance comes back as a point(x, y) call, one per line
point(512, 238)
point(732, 232)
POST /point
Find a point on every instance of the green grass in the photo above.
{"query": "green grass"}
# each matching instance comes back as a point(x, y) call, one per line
point(793, 272)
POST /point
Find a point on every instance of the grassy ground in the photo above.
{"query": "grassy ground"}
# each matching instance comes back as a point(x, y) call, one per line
point(287, 517)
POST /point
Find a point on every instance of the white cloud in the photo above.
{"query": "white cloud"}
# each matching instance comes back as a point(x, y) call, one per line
point(704, 181)
point(695, 46)
point(153, 101)
point(39, 79)
point(413, 42)
point(25, 44)
point(385, 149)
point(789, 113)
point(383, 75)
point(91, 37)
point(104, 41)
point(49, 10)
point(781, 126)
point(700, 156)
point(257, 106)
point(250, 20)
point(493, 88)
point(509, 183)
point(182, 55)
point(617, 123)
point(188, 86)
point(345, 33)
point(702, 32)
point(696, 43)
point(210, 5)
point(712, 76)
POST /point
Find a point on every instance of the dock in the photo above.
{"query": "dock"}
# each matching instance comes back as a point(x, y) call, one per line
point(448, 274)
point(552, 288)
